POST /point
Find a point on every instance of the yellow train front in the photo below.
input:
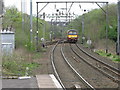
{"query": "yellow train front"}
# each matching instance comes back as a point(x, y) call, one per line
point(72, 36)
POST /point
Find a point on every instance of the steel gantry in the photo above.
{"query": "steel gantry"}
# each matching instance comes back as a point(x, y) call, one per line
point(67, 11)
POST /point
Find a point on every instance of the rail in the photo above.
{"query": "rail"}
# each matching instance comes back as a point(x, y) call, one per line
point(103, 72)
point(87, 83)
point(53, 65)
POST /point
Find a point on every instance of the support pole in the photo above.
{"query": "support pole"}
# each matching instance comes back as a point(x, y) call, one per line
point(31, 27)
point(106, 27)
point(118, 35)
point(37, 31)
point(118, 39)
point(1, 15)
point(1, 12)
point(82, 28)
point(44, 29)
point(23, 12)
point(66, 12)
point(106, 16)
point(51, 30)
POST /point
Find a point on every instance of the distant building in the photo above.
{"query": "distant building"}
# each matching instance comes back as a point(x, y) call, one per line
point(7, 41)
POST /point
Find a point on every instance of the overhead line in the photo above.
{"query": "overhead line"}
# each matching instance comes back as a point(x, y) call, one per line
point(70, 7)
point(43, 7)
point(72, 2)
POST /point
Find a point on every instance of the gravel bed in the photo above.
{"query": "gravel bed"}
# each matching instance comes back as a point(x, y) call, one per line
point(94, 77)
point(67, 76)
point(104, 59)
point(92, 61)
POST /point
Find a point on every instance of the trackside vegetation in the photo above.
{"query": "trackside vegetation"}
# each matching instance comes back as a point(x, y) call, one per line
point(17, 66)
point(22, 32)
point(95, 23)
point(26, 55)
point(111, 56)
point(95, 29)
point(17, 63)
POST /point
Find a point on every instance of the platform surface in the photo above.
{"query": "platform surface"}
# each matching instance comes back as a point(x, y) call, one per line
point(16, 83)
point(47, 81)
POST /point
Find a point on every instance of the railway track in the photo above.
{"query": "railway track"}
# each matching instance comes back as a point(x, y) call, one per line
point(65, 73)
point(106, 69)
point(54, 67)
point(100, 61)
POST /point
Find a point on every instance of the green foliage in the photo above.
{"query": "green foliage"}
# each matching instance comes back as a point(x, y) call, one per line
point(22, 37)
point(11, 17)
point(108, 55)
point(101, 52)
point(112, 33)
point(116, 59)
point(16, 65)
point(95, 23)
point(36, 56)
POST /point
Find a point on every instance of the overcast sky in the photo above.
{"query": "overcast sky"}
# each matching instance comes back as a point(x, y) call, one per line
point(50, 7)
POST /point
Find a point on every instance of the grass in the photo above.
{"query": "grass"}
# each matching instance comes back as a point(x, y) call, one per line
point(19, 64)
point(13, 67)
point(109, 55)
point(36, 56)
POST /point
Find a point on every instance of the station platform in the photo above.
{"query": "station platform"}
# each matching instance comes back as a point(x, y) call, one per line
point(48, 81)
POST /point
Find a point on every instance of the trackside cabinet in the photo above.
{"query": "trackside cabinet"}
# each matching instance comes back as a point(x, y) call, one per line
point(7, 42)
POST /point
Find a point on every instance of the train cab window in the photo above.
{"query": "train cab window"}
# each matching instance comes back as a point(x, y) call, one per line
point(70, 33)
point(74, 33)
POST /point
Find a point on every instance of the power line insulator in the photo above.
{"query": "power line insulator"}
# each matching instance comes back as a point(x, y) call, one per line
point(84, 10)
point(44, 15)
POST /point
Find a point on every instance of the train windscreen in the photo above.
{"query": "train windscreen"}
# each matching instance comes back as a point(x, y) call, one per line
point(72, 33)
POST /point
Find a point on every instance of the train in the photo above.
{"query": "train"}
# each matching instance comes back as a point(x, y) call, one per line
point(72, 36)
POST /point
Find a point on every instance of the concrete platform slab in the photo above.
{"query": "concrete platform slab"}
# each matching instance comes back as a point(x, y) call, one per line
point(16, 83)
point(47, 81)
